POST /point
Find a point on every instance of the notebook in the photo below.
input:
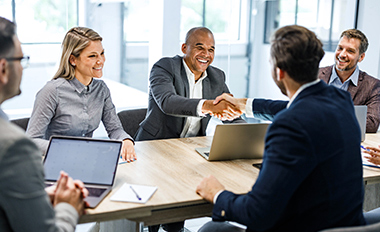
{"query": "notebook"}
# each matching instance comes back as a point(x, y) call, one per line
point(236, 141)
point(93, 161)
point(361, 116)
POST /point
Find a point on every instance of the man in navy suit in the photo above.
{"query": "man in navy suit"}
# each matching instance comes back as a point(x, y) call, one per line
point(311, 175)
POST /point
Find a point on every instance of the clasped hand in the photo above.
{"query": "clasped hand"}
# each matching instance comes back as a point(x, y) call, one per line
point(224, 107)
point(69, 191)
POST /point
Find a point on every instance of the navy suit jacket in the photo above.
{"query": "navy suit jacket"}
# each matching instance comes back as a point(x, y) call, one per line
point(169, 102)
point(311, 176)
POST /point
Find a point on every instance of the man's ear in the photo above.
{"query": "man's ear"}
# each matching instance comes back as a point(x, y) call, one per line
point(361, 57)
point(4, 71)
point(183, 48)
point(280, 74)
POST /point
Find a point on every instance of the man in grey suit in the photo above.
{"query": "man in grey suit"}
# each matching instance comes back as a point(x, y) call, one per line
point(345, 74)
point(25, 204)
point(181, 95)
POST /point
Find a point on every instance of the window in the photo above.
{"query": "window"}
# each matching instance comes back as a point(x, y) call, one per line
point(44, 21)
point(327, 18)
point(136, 25)
point(225, 18)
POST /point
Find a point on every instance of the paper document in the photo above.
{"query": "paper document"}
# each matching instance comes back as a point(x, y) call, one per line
point(366, 162)
point(133, 193)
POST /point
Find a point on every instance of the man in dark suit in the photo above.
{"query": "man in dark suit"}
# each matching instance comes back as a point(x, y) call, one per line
point(311, 175)
point(181, 94)
point(345, 74)
point(182, 90)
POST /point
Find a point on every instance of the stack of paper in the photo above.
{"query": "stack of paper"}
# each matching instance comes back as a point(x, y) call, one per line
point(133, 193)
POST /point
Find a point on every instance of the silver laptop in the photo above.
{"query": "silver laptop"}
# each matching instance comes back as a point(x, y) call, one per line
point(93, 161)
point(236, 141)
point(361, 116)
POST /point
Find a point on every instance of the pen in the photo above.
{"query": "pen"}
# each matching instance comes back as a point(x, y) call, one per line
point(137, 195)
point(364, 148)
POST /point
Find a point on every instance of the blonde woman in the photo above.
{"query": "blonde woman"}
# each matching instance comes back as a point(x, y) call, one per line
point(75, 101)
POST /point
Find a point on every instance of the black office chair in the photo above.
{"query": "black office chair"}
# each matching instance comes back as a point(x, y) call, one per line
point(367, 228)
point(130, 119)
point(21, 122)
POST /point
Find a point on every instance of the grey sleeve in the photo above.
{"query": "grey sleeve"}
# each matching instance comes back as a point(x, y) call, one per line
point(168, 90)
point(23, 198)
point(43, 111)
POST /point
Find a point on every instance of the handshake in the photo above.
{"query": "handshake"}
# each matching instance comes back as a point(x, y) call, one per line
point(225, 107)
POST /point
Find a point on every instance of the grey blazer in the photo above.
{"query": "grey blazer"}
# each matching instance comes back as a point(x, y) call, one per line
point(169, 102)
point(366, 93)
point(24, 204)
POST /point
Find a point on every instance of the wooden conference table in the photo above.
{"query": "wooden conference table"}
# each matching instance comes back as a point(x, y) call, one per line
point(176, 169)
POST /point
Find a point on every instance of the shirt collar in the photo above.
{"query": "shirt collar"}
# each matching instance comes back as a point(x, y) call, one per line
point(3, 115)
point(353, 78)
point(190, 75)
point(299, 90)
point(79, 87)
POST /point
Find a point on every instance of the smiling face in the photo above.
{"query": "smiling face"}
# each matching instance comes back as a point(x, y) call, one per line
point(347, 54)
point(89, 63)
point(199, 52)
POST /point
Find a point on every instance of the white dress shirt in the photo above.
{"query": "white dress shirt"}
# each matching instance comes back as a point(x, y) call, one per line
point(193, 124)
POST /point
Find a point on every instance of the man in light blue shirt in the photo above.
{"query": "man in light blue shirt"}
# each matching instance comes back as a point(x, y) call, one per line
point(346, 75)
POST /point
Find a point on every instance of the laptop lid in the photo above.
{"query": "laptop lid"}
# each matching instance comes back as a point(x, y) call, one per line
point(361, 116)
point(93, 161)
point(236, 141)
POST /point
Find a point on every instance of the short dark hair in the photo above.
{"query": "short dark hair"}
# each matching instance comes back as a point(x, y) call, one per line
point(194, 29)
point(298, 51)
point(356, 34)
point(7, 32)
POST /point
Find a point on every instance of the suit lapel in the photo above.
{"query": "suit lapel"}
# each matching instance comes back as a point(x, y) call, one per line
point(206, 89)
point(352, 89)
point(185, 81)
point(325, 74)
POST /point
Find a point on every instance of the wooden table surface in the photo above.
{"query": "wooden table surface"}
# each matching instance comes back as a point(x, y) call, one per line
point(371, 175)
point(176, 169)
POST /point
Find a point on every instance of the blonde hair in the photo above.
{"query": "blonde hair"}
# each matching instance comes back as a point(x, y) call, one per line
point(75, 41)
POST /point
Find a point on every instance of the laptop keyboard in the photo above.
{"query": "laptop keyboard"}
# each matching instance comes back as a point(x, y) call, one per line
point(95, 192)
point(207, 154)
point(92, 192)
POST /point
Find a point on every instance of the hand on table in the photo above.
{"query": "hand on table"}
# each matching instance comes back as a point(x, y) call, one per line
point(208, 187)
point(374, 155)
point(128, 151)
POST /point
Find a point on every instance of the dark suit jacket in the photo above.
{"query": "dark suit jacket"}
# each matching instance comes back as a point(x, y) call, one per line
point(169, 102)
point(366, 93)
point(311, 176)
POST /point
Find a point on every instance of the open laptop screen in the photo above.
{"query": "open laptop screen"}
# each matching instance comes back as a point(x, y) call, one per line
point(89, 160)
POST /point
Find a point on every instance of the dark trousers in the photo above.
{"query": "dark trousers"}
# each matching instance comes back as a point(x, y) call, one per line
point(170, 227)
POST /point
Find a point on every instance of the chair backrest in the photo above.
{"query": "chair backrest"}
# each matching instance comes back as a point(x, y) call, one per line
point(367, 228)
point(21, 122)
point(130, 119)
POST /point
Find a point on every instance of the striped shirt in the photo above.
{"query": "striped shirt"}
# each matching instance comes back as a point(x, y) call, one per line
point(67, 107)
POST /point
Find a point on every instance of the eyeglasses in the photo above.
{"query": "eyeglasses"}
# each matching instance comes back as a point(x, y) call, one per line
point(24, 60)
